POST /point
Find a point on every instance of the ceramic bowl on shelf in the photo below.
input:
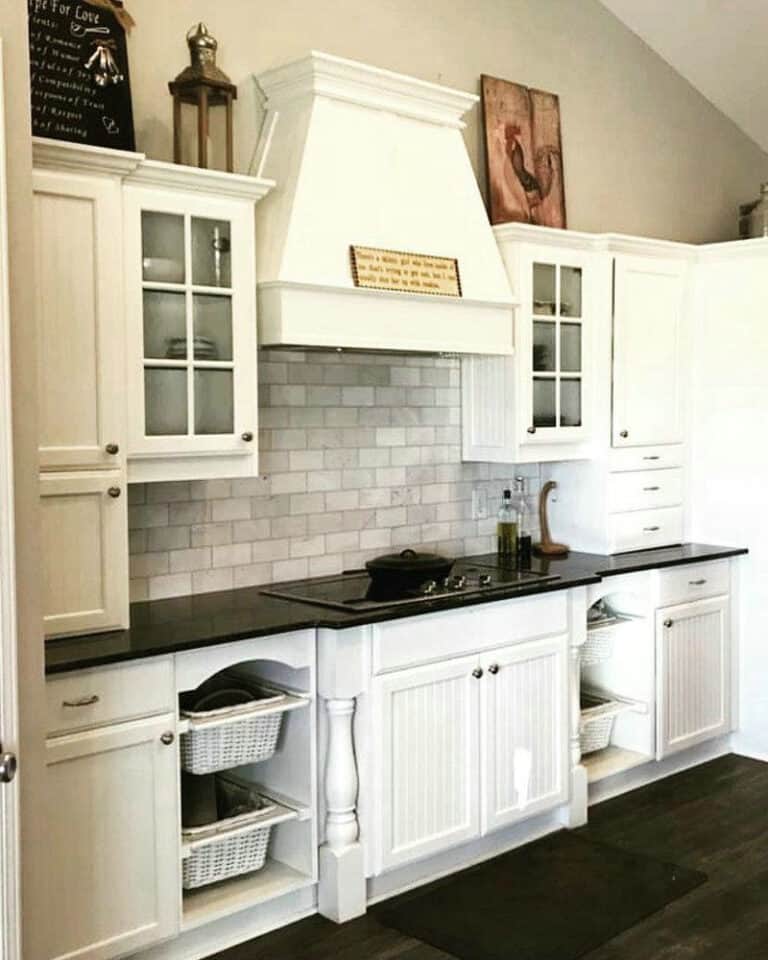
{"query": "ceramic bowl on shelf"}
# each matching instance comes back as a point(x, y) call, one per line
point(163, 270)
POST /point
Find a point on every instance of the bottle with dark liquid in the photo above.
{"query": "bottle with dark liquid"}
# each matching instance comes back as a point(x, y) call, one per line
point(506, 528)
point(524, 536)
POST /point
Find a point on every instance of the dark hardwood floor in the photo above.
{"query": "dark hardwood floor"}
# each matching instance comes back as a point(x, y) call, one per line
point(712, 818)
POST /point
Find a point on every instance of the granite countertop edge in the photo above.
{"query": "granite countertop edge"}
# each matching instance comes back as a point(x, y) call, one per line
point(175, 625)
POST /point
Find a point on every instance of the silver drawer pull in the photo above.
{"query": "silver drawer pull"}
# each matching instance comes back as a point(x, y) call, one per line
point(654, 457)
point(651, 529)
point(651, 489)
point(696, 583)
point(82, 702)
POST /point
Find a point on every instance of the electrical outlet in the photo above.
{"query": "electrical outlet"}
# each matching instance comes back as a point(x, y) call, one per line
point(479, 503)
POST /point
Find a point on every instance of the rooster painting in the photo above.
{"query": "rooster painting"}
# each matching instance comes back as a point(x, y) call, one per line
point(525, 170)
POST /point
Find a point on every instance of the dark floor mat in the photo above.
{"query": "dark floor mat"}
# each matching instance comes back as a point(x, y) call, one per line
point(554, 899)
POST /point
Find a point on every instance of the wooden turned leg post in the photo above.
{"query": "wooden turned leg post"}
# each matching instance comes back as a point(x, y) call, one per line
point(577, 809)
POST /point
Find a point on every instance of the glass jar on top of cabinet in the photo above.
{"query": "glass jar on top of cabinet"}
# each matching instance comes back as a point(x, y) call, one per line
point(553, 341)
point(190, 270)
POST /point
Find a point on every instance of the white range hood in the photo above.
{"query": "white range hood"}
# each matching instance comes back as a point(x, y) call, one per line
point(363, 156)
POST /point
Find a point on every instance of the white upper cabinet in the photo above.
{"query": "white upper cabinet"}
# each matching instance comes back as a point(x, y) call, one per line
point(538, 405)
point(649, 297)
point(78, 309)
point(191, 331)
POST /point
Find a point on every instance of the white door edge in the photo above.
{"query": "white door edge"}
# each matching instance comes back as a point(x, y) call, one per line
point(10, 925)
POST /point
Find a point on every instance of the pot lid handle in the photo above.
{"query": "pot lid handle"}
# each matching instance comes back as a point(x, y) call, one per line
point(408, 553)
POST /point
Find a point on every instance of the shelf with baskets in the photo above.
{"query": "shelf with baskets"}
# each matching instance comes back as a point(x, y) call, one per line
point(616, 728)
point(248, 786)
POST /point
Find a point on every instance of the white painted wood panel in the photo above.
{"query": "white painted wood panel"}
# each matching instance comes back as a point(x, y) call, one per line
point(488, 408)
point(648, 332)
point(90, 698)
point(644, 490)
point(84, 551)
point(78, 305)
point(643, 529)
point(693, 674)
point(645, 458)
point(112, 840)
point(427, 756)
point(436, 636)
point(524, 731)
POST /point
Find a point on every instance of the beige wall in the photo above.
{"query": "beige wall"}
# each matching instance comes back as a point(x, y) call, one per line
point(644, 153)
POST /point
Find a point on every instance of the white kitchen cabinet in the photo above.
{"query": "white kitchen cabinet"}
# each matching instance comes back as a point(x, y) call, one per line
point(429, 762)
point(112, 840)
point(649, 299)
point(524, 731)
point(537, 405)
point(191, 324)
point(693, 673)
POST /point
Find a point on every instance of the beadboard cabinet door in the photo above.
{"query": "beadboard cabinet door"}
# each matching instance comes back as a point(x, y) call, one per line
point(79, 315)
point(649, 297)
point(112, 839)
point(693, 674)
point(524, 731)
point(427, 746)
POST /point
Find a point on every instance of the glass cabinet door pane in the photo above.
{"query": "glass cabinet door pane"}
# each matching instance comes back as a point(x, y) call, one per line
point(214, 401)
point(165, 401)
point(165, 325)
point(213, 327)
point(544, 346)
point(570, 347)
point(570, 291)
point(570, 403)
point(211, 261)
point(543, 402)
point(162, 247)
point(544, 280)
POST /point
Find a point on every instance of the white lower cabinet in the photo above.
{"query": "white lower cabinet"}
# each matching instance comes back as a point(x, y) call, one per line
point(112, 839)
point(693, 674)
point(468, 745)
point(524, 731)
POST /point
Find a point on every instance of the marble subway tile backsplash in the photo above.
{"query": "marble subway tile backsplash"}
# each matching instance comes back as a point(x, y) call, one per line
point(359, 455)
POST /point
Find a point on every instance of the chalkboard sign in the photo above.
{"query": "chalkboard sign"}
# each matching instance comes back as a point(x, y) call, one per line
point(79, 73)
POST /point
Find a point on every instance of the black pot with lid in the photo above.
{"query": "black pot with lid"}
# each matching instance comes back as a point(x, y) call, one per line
point(396, 573)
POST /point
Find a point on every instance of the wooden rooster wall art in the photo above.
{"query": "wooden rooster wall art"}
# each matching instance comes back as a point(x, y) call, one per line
point(523, 153)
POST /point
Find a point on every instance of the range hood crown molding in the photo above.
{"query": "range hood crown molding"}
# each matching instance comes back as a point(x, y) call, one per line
point(321, 74)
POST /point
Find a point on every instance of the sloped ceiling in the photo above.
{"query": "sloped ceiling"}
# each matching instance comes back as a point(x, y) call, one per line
point(719, 46)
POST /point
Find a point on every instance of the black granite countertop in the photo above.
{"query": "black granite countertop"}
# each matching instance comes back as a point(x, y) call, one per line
point(161, 627)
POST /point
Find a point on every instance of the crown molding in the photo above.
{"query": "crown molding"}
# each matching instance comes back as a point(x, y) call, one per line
point(155, 173)
point(83, 158)
point(601, 242)
point(321, 74)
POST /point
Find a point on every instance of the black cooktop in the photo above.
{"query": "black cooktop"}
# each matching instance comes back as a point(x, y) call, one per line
point(354, 591)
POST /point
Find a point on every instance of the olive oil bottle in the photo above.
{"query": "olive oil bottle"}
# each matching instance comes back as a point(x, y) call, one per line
point(506, 528)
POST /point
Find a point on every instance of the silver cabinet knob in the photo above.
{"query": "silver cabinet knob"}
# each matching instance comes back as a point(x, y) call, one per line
point(114, 492)
point(112, 449)
point(167, 738)
point(247, 436)
point(494, 669)
point(8, 767)
point(624, 434)
point(88, 701)
point(531, 429)
point(669, 623)
point(477, 673)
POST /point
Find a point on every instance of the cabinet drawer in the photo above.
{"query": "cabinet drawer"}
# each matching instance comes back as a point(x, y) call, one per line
point(646, 458)
point(644, 490)
point(694, 581)
point(104, 695)
point(643, 529)
point(437, 636)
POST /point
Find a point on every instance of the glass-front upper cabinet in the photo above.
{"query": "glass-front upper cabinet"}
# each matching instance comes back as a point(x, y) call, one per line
point(190, 270)
point(552, 342)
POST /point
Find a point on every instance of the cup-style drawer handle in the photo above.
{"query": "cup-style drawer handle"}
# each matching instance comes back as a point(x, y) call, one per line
point(82, 701)
point(112, 449)
point(696, 583)
point(669, 623)
point(651, 529)
point(114, 492)
point(650, 489)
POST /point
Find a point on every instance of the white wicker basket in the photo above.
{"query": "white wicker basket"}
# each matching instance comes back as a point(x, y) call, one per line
point(233, 736)
point(600, 636)
point(597, 717)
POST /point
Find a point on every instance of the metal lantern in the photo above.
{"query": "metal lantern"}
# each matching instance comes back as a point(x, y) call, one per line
point(205, 87)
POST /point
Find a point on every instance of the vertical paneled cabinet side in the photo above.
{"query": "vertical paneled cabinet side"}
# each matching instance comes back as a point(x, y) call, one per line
point(79, 316)
point(538, 405)
point(191, 322)
point(629, 494)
